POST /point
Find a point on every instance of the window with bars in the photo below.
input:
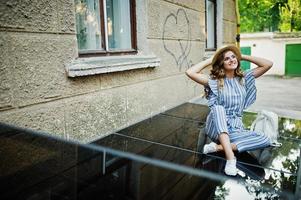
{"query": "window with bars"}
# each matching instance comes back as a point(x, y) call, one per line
point(105, 27)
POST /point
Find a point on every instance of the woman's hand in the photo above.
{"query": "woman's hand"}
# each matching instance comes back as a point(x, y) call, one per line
point(263, 64)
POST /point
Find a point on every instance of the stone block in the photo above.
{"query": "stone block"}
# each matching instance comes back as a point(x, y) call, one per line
point(29, 15)
point(229, 10)
point(192, 4)
point(169, 21)
point(171, 91)
point(151, 97)
point(229, 29)
point(5, 82)
point(34, 72)
point(66, 18)
point(176, 56)
point(48, 118)
point(92, 116)
point(116, 79)
point(140, 102)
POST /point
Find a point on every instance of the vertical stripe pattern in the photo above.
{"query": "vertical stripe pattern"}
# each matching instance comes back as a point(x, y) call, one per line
point(226, 108)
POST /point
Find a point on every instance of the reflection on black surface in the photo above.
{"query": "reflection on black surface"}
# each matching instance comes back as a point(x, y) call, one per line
point(290, 128)
point(254, 171)
point(35, 166)
point(181, 128)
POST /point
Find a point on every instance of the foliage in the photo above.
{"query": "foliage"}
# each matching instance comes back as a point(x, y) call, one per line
point(270, 15)
point(291, 17)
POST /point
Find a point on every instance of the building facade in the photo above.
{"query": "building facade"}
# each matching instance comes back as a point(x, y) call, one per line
point(284, 49)
point(82, 69)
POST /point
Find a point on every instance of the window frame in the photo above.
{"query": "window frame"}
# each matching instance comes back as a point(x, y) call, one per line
point(97, 65)
point(214, 25)
point(104, 43)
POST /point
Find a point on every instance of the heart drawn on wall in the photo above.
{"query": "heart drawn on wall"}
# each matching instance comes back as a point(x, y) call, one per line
point(177, 27)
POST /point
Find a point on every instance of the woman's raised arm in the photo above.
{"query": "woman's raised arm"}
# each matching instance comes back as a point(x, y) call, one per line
point(195, 73)
point(263, 64)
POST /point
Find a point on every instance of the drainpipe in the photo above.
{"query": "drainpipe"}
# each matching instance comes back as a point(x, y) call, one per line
point(238, 24)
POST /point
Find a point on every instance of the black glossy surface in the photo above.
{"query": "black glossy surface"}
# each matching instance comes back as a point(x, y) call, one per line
point(179, 129)
point(158, 158)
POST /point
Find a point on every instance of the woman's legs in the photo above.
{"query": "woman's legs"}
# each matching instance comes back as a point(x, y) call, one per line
point(230, 168)
point(217, 129)
point(246, 141)
point(249, 140)
point(219, 147)
point(226, 146)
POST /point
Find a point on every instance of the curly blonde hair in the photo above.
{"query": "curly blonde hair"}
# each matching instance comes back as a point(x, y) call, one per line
point(218, 71)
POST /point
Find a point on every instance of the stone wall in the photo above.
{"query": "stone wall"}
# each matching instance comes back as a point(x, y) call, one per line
point(37, 39)
point(229, 22)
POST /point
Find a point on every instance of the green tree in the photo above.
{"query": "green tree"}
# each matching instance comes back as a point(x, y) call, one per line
point(275, 13)
point(291, 16)
point(253, 15)
point(270, 15)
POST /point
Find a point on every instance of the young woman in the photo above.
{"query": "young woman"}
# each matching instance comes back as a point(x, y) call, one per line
point(229, 91)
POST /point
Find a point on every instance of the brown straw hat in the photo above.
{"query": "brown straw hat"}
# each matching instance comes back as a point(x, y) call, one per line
point(223, 49)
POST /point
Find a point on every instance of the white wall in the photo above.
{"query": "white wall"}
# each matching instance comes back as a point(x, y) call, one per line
point(271, 46)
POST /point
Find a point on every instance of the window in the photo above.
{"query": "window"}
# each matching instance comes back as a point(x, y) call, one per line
point(210, 24)
point(107, 40)
point(105, 27)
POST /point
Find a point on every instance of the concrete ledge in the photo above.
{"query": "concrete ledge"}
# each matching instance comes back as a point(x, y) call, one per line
point(100, 65)
point(271, 35)
point(257, 35)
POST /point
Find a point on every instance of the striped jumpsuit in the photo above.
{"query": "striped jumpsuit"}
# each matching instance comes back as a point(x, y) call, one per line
point(226, 109)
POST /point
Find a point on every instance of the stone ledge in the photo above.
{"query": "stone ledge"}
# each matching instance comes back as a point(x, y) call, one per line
point(100, 65)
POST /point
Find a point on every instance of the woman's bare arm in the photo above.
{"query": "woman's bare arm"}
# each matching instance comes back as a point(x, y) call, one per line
point(263, 64)
point(195, 73)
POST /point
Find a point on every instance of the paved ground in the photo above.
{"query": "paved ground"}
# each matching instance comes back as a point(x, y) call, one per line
point(281, 95)
point(278, 94)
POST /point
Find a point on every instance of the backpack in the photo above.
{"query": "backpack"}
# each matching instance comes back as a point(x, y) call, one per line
point(266, 123)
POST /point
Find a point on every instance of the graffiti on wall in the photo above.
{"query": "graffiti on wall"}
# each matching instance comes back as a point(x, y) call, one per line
point(177, 28)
